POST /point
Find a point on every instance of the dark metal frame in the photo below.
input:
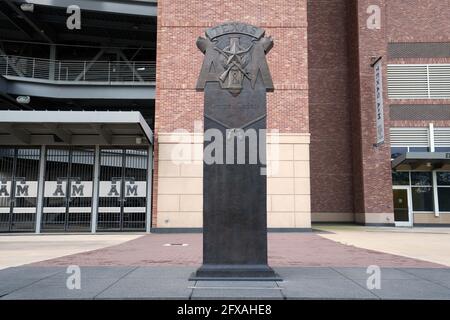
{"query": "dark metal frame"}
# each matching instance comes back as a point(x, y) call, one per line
point(122, 198)
point(13, 200)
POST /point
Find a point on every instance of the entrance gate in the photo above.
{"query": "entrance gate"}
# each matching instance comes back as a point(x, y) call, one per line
point(122, 190)
point(68, 189)
point(19, 173)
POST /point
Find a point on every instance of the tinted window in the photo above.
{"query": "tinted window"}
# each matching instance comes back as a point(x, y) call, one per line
point(421, 179)
point(418, 149)
point(422, 199)
point(400, 178)
point(443, 178)
point(444, 199)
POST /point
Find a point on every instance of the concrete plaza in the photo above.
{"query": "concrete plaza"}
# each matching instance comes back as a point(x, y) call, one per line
point(329, 263)
point(172, 283)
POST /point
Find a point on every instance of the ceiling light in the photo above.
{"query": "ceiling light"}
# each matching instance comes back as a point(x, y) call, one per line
point(27, 7)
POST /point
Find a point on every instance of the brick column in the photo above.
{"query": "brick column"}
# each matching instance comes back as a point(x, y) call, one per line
point(371, 165)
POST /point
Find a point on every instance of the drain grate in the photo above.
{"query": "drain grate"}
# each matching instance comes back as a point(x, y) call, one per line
point(175, 245)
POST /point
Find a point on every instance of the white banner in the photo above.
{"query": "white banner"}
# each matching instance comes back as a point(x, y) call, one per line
point(58, 189)
point(24, 189)
point(379, 107)
point(27, 189)
point(134, 189)
point(5, 189)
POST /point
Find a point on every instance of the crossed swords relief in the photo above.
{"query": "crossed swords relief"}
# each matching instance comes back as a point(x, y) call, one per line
point(234, 58)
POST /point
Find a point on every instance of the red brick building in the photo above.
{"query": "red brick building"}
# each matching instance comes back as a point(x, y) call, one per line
point(101, 128)
point(329, 166)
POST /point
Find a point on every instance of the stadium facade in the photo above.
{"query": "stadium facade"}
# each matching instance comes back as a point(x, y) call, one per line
point(101, 125)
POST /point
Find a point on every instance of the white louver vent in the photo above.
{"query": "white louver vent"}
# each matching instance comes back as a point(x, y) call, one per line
point(419, 81)
point(439, 81)
point(442, 137)
point(409, 137)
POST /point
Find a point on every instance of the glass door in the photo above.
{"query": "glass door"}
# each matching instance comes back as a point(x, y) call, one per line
point(402, 207)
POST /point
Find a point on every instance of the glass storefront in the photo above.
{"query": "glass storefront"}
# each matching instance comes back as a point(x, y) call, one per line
point(70, 188)
point(422, 189)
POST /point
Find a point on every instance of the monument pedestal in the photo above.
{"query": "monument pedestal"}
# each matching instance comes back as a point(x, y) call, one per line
point(235, 272)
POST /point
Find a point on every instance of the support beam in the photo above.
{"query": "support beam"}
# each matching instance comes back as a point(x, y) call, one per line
point(6, 12)
point(11, 64)
point(40, 195)
point(61, 134)
point(82, 75)
point(128, 63)
point(435, 194)
point(143, 8)
point(95, 190)
point(104, 133)
point(148, 220)
point(52, 59)
point(44, 32)
point(19, 134)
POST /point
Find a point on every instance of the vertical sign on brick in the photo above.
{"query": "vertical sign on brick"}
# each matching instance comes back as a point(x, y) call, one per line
point(379, 107)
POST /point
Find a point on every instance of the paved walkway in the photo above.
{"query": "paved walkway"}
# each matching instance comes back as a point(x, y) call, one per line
point(285, 249)
point(428, 244)
point(172, 283)
point(19, 249)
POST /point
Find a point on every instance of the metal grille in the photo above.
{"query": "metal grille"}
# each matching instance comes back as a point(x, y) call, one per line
point(19, 171)
point(428, 112)
point(122, 190)
point(68, 189)
point(419, 50)
point(419, 81)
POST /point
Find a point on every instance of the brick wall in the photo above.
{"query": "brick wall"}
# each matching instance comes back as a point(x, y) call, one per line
point(329, 100)
point(419, 21)
point(180, 22)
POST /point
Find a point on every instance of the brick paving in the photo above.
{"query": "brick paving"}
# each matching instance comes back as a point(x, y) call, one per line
point(285, 250)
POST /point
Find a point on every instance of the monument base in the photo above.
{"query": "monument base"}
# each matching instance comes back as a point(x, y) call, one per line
point(235, 273)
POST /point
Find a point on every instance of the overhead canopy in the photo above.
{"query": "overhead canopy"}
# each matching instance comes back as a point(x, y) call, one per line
point(74, 128)
point(422, 161)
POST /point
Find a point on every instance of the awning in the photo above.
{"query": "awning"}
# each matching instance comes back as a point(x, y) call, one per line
point(74, 128)
point(422, 161)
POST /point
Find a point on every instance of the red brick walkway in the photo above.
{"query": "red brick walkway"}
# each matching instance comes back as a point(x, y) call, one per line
point(285, 249)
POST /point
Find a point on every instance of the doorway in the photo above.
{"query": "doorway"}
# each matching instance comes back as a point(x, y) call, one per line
point(402, 207)
point(68, 189)
point(123, 189)
point(19, 171)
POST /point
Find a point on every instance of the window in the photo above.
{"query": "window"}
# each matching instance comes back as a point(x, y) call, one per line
point(422, 191)
point(419, 149)
point(400, 178)
point(442, 149)
point(443, 182)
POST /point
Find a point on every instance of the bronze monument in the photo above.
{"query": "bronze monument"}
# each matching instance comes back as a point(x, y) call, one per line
point(235, 78)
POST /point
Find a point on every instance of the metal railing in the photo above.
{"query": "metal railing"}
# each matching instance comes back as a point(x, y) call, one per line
point(78, 71)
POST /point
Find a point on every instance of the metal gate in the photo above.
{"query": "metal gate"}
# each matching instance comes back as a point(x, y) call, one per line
point(19, 175)
point(68, 189)
point(122, 190)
